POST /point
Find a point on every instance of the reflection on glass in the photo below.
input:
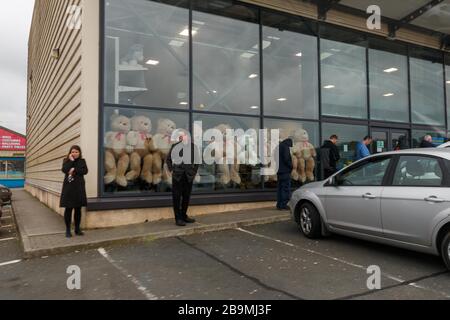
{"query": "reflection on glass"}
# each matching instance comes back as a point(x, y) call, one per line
point(427, 92)
point(12, 169)
point(290, 68)
point(146, 54)
point(437, 135)
point(349, 136)
point(136, 144)
point(344, 80)
point(240, 175)
point(226, 64)
point(388, 74)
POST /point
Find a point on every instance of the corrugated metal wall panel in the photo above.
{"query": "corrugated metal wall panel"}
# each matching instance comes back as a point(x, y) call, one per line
point(54, 93)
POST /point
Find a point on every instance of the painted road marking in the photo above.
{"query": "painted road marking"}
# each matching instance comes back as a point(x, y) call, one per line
point(9, 263)
point(133, 279)
point(7, 226)
point(387, 275)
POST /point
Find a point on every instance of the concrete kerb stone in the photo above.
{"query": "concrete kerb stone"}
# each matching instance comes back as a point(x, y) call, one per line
point(30, 253)
point(24, 239)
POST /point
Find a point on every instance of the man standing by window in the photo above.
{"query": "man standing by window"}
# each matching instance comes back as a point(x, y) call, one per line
point(333, 156)
point(362, 150)
point(285, 168)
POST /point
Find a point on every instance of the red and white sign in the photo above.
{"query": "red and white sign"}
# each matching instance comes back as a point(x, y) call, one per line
point(10, 141)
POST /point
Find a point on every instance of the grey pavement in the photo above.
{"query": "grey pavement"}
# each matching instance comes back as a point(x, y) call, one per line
point(42, 231)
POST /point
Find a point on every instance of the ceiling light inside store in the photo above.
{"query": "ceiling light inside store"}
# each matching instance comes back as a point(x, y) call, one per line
point(253, 76)
point(198, 22)
point(184, 103)
point(273, 38)
point(282, 99)
point(388, 95)
point(248, 55)
point(335, 50)
point(330, 87)
point(390, 70)
point(300, 54)
point(254, 107)
point(448, 82)
point(176, 43)
point(152, 62)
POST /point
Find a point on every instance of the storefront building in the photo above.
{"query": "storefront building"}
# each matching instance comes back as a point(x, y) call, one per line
point(239, 64)
point(12, 158)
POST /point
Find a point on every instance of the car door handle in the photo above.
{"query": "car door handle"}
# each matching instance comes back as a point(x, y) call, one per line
point(369, 196)
point(434, 199)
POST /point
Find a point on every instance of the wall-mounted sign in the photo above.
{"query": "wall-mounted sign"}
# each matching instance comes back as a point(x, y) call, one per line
point(10, 141)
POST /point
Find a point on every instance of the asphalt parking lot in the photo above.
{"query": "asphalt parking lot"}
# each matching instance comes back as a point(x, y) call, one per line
point(268, 262)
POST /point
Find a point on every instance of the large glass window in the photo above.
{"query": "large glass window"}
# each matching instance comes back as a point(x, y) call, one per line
point(225, 56)
point(344, 76)
point(349, 136)
point(305, 136)
point(243, 174)
point(147, 53)
point(388, 72)
point(427, 91)
point(290, 67)
point(136, 144)
point(12, 169)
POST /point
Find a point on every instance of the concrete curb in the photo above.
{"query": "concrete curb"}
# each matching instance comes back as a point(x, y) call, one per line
point(30, 253)
point(24, 239)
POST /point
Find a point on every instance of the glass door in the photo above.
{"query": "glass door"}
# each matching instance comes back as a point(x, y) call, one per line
point(386, 139)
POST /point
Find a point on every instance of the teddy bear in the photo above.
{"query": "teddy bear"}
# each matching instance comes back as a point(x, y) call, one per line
point(227, 172)
point(117, 150)
point(141, 140)
point(134, 56)
point(303, 157)
point(163, 143)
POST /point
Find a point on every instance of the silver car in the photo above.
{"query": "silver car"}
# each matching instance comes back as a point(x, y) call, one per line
point(398, 198)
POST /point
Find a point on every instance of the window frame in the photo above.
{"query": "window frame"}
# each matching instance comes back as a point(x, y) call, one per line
point(445, 183)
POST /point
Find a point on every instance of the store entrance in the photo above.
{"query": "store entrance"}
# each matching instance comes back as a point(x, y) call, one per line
point(387, 139)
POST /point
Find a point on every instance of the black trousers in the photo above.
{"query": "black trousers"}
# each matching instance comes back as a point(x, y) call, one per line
point(68, 218)
point(283, 190)
point(181, 193)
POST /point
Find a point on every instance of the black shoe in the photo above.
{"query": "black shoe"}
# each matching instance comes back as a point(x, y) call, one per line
point(181, 223)
point(79, 233)
point(189, 220)
point(68, 234)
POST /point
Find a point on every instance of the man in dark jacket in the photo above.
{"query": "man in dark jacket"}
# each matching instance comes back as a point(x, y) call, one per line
point(333, 156)
point(285, 168)
point(427, 142)
point(183, 176)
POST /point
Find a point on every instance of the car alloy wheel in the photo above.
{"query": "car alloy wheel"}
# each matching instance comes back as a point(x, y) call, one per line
point(305, 221)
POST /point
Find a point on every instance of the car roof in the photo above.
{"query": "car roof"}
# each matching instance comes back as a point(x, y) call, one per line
point(442, 153)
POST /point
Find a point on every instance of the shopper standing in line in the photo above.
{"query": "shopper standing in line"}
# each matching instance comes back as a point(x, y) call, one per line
point(73, 196)
point(333, 156)
point(285, 168)
point(362, 148)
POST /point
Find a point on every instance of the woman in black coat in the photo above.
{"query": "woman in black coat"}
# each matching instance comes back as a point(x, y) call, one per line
point(73, 195)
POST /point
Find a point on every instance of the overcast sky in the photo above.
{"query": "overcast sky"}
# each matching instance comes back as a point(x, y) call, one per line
point(15, 21)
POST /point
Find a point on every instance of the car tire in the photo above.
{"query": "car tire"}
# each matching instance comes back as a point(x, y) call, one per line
point(310, 222)
point(445, 250)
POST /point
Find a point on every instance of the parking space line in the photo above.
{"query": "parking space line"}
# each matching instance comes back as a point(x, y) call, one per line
point(9, 263)
point(387, 275)
point(7, 226)
point(133, 279)
point(7, 239)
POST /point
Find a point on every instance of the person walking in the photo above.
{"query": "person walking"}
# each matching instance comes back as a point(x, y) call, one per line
point(285, 168)
point(427, 142)
point(183, 176)
point(362, 150)
point(333, 156)
point(73, 196)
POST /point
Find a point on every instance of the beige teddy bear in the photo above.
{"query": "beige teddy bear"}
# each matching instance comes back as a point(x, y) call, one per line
point(117, 150)
point(162, 141)
point(141, 140)
point(227, 172)
point(303, 157)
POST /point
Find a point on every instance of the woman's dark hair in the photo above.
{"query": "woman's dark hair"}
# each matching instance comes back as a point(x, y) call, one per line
point(70, 151)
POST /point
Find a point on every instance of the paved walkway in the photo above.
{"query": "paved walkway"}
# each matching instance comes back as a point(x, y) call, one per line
point(42, 231)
